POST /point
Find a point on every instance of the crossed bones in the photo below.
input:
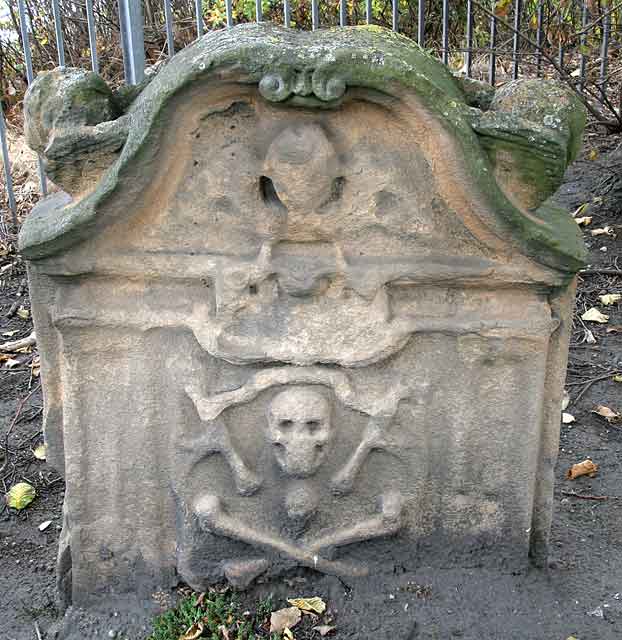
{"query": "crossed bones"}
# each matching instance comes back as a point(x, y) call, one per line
point(214, 519)
point(299, 427)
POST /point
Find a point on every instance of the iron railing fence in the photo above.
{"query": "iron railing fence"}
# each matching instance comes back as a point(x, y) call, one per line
point(493, 40)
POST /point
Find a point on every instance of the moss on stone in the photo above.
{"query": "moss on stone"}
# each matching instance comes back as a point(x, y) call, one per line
point(368, 57)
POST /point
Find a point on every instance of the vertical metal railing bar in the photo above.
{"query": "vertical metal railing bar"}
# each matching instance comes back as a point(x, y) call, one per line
point(198, 16)
point(343, 13)
point(168, 21)
point(287, 13)
point(259, 12)
point(421, 23)
point(58, 31)
point(445, 52)
point(23, 27)
point(229, 10)
point(539, 37)
point(90, 25)
point(315, 14)
point(368, 11)
point(469, 39)
point(518, 9)
point(604, 53)
point(582, 45)
point(492, 66)
point(395, 15)
point(8, 178)
point(132, 40)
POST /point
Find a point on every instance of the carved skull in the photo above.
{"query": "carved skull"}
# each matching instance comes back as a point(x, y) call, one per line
point(299, 429)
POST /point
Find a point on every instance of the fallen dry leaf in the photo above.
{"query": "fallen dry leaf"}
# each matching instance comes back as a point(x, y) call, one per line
point(594, 315)
point(24, 314)
point(284, 619)
point(315, 604)
point(610, 298)
point(20, 495)
point(585, 468)
point(10, 334)
point(287, 633)
point(11, 362)
point(324, 629)
point(616, 328)
point(610, 415)
point(35, 366)
point(580, 209)
point(40, 452)
point(617, 378)
point(568, 418)
point(603, 231)
point(193, 632)
point(44, 525)
point(589, 337)
point(583, 221)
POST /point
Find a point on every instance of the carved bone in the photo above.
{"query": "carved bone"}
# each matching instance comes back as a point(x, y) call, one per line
point(374, 438)
point(216, 439)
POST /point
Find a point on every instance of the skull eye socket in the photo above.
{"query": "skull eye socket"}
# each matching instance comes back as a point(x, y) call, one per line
point(286, 424)
point(313, 425)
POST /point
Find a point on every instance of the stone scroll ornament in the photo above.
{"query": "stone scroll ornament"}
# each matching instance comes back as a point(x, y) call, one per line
point(303, 302)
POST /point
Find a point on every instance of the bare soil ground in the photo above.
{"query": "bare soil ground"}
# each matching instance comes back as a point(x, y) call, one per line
point(580, 595)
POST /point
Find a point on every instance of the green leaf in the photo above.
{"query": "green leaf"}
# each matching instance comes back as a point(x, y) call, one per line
point(20, 495)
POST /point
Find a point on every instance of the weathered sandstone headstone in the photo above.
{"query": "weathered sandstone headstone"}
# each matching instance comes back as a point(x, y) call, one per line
point(306, 305)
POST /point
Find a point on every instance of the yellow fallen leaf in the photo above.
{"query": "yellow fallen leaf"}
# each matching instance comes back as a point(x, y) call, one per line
point(24, 314)
point(20, 495)
point(568, 418)
point(580, 209)
point(610, 298)
point(40, 452)
point(593, 154)
point(585, 468)
point(610, 415)
point(315, 604)
point(594, 315)
point(288, 634)
point(617, 378)
point(193, 632)
point(583, 221)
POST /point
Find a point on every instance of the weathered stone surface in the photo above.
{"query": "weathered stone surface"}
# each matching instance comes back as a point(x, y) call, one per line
point(298, 321)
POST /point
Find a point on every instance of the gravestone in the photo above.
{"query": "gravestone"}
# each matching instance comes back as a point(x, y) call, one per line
point(303, 301)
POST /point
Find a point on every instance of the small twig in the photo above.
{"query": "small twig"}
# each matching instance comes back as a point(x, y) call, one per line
point(596, 272)
point(18, 412)
point(589, 383)
point(38, 631)
point(586, 496)
point(14, 345)
point(20, 292)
